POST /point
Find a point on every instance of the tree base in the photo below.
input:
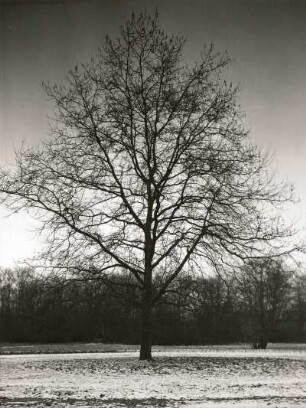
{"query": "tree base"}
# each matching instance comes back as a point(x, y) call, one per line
point(259, 345)
point(145, 355)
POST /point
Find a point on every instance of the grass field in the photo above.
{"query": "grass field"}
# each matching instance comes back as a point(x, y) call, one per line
point(96, 375)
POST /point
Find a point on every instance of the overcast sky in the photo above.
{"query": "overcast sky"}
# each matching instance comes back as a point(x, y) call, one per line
point(40, 40)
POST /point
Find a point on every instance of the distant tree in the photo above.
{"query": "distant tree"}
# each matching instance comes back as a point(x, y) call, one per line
point(7, 300)
point(214, 309)
point(148, 171)
point(264, 288)
point(299, 303)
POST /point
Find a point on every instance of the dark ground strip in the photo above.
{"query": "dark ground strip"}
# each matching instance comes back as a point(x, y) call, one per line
point(67, 348)
point(90, 402)
point(136, 403)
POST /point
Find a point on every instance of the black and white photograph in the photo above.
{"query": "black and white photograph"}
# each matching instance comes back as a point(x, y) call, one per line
point(153, 203)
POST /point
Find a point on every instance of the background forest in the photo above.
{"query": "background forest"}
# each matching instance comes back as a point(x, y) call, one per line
point(268, 303)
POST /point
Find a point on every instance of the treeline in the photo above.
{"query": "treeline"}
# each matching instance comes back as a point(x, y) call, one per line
point(260, 303)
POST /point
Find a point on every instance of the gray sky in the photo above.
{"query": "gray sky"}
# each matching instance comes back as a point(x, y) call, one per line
point(40, 40)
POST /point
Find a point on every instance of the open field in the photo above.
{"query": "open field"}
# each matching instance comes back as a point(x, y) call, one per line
point(95, 375)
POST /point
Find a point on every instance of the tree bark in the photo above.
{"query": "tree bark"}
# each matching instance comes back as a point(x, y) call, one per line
point(146, 337)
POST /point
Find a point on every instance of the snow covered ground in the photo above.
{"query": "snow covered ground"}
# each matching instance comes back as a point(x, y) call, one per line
point(194, 377)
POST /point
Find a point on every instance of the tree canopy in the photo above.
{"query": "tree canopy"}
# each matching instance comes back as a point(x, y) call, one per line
point(148, 169)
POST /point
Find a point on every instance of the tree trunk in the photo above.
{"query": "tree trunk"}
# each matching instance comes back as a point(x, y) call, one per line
point(146, 336)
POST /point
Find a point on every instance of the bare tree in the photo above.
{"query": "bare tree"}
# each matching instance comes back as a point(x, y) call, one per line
point(148, 170)
point(264, 287)
point(299, 302)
